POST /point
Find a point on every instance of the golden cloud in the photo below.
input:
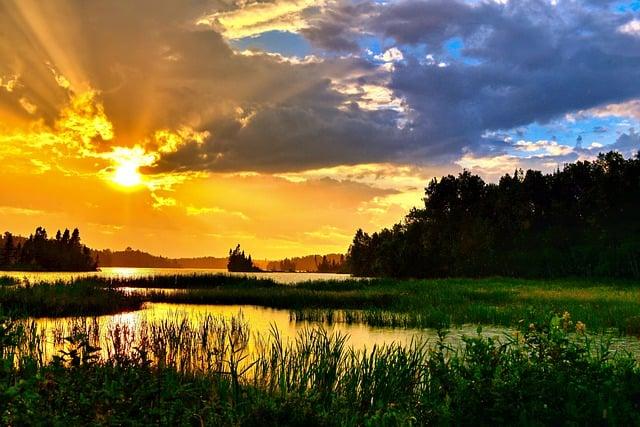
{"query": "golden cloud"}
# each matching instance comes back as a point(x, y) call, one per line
point(259, 17)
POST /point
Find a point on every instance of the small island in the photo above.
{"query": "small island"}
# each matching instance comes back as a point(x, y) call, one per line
point(241, 263)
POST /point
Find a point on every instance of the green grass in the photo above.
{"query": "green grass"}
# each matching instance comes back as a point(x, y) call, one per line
point(62, 299)
point(543, 377)
point(180, 281)
point(433, 303)
point(377, 302)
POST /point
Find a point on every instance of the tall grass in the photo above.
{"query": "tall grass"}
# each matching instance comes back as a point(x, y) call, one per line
point(545, 376)
point(434, 303)
point(378, 302)
point(179, 281)
point(62, 299)
point(8, 281)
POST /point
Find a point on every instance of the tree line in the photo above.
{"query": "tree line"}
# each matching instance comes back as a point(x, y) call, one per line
point(583, 220)
point(64, 252)
point(331, 263)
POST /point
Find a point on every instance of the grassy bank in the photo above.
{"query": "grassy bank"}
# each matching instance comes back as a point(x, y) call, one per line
point(61, 299)
point(433, 303)
point(377, 302)
point(541, 377)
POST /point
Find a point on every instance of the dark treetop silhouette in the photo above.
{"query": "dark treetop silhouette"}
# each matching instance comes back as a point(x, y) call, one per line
point(238, 261)
point(62, 253)
point(330, 263)
point(582, 220)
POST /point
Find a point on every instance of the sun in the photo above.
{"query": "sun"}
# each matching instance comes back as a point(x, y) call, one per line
point(127, 162)
point(127, 175)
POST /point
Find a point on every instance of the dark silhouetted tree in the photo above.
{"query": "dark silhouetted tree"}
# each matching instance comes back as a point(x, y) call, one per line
point(579, 221)
point(38, 252)
point(239, 262)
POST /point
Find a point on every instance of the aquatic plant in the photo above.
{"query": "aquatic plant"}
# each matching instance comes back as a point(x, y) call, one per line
point(214, 372)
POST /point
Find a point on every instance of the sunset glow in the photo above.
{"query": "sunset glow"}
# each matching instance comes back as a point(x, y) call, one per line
point(127, 175)
point(233, 123)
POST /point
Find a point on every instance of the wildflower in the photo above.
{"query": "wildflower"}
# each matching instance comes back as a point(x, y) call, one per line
point(566, 320)
point(532, 327)
point(580, 327)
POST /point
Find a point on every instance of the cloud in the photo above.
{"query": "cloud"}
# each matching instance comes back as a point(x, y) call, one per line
point(519, 62)
point(197, 211)
point(632, 28)
point(128, 89)
point(258, 17)
point(551, 148)
point(630, 109)
point(10, 210)
point(390, 55)
point(198, 106)
point(339, 26)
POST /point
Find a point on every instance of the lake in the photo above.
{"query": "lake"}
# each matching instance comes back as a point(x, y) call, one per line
point(284, 278)
point(259, 320)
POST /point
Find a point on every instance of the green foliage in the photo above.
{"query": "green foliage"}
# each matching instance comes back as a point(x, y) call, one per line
point(376, 302)
point(546, 375)
point(428, 303)
point(581, 221)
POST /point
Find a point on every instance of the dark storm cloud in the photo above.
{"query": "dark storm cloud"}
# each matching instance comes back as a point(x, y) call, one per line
point(520, 62)
point(156, 69)
point(296, 137)
point(338, 28)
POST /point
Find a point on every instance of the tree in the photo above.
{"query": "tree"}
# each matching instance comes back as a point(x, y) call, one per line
point(580, 220)
point(38, 252)
point(8, 252)
point(239, 262)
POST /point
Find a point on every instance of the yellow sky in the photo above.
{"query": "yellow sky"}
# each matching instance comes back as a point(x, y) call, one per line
point(185, 128)
point(72, 171)
point(112, 119)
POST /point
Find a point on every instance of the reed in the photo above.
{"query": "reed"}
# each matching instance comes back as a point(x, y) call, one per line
point(215, 372)
point(376, 302)
point(63, 299)
point(8, 281)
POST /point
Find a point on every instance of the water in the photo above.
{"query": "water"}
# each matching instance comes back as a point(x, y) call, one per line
point(260, 322)
point(284, 278)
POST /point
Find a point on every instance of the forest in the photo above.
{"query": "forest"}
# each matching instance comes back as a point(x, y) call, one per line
point(64, 252)
point(581, 221)
point(331, 263)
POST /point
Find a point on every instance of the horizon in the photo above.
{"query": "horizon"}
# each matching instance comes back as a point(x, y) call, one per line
point(182, 130)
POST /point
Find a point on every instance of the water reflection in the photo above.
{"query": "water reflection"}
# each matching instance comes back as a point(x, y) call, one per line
point(259, 322)
point(130, 272)
point(197, 337)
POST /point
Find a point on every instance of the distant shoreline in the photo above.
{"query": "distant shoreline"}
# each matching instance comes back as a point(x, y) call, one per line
point(42, 270)
point(221, 270)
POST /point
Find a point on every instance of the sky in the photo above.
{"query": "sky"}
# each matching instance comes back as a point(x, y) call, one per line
point(183, 127)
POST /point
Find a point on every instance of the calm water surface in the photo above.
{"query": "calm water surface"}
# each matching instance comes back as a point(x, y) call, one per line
point(285, 278)
point(259, 320)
